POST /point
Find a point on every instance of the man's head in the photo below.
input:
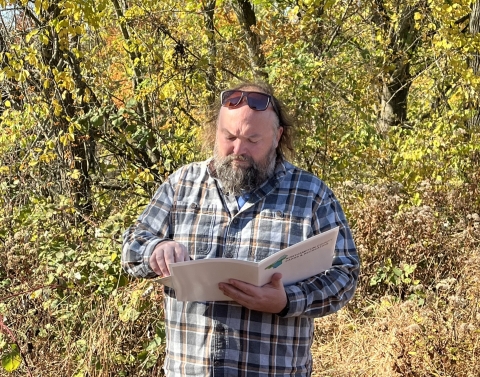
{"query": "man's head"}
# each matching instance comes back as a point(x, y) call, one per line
point(248, 135)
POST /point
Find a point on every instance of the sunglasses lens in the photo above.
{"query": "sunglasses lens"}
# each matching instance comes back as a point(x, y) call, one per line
point(231, 98)
point(258, 101)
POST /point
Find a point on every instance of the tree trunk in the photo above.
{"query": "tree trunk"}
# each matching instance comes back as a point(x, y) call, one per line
point(394, 96)
point(397, 78)
point(143, 108)
point(209, 10)
point(247, 19)
point(474, 63)
point(77, 154)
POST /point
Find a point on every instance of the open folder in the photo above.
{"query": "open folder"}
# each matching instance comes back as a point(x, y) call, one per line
point(197, 280)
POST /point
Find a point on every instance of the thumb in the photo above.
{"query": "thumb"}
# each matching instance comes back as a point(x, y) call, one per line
point(276, 281)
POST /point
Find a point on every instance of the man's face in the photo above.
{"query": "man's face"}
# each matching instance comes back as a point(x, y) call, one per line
point(245, 147)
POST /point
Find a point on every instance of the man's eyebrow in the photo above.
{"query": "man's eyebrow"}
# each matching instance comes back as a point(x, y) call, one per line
point(252, 136)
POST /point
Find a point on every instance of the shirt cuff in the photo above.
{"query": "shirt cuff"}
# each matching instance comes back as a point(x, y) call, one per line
point(285, 310)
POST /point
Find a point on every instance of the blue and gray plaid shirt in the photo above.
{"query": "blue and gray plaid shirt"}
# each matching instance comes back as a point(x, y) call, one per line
point(223, 338)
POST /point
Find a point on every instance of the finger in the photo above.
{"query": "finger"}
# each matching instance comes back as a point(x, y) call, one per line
point(186, 257)
point(276, 281)
point(162, 263)
point(234, 293)
point(153, 263)
point(180, 251)
point(169, 256)
point(244, 291)
point(157, 262)
point(240, 286)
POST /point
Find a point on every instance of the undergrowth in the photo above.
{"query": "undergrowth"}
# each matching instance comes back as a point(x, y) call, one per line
point(68, 310)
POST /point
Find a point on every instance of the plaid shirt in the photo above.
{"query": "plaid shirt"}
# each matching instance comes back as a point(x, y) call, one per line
point(223, 338)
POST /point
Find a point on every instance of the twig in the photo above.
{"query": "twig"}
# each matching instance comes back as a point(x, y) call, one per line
point(25, 292)
point(4, 329)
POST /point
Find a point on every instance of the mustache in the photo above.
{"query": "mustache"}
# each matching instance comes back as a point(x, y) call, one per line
point(234, 157)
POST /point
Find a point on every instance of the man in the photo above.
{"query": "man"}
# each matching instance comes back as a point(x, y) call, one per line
point(246, 202)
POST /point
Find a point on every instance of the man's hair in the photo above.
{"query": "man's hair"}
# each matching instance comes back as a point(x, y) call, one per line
point(285, 144)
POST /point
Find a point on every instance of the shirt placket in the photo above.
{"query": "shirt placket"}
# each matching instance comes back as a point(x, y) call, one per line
point(219, 349)
point(231, 238)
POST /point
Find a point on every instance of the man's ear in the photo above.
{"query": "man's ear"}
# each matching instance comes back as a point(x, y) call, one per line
point(279, 134)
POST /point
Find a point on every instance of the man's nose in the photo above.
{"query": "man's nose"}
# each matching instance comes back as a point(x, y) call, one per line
point(239, 147)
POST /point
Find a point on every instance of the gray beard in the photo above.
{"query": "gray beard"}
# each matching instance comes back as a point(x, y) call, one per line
point(238, 181)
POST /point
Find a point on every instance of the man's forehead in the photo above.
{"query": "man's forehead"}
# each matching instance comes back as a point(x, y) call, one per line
point(245, 120)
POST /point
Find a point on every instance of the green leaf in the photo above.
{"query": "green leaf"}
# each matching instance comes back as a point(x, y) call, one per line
point(131, 103)
point(97, 120)
point(128, 314)
point(397, 271)
point(155, 343)
point(12, 360)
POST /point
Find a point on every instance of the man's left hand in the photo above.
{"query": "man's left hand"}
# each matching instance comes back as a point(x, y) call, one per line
point(270, 298)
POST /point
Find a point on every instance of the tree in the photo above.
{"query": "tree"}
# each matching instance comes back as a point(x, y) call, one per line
point(42, 68)
point(248, 21)
point(474, 64)
point(397, 32)
point(211, 72)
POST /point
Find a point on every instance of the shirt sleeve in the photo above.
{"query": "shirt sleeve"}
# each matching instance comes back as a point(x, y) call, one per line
point(151, 228)
point(329, 291)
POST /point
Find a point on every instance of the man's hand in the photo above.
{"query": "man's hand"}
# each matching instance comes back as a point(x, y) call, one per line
point(271, 298)
point(164, 254)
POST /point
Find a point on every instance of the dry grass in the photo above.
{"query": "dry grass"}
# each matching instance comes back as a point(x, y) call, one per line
point(407, 329)
point(391, 338)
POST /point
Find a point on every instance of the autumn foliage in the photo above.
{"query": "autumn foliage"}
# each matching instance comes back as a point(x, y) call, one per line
point(102, 100)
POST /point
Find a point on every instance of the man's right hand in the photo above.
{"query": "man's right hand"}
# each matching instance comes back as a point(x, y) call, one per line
point(164, 254)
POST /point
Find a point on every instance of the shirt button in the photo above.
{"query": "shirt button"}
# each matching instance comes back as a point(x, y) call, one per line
point(279, 214)
point(235, 221)
point(193, 205)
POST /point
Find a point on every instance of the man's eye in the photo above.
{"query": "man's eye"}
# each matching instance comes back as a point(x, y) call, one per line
point(253, 141)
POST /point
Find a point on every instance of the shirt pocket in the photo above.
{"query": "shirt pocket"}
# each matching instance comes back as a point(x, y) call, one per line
point(276, 230)
point(193, 226)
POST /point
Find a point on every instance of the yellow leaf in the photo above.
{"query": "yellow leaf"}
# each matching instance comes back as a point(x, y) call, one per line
point(44, 39)
point(146, 176)
point(12, 360)
point(30, 35)
point(75, 174)
point(38, 6)
point(36, 294)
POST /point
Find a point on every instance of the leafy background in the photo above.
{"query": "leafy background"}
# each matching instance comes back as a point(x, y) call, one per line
point(102, 100)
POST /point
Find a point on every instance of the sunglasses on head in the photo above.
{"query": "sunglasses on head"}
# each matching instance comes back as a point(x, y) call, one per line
point(256, 100)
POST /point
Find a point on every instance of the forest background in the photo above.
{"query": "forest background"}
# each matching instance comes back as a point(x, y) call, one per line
point(102, 100)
